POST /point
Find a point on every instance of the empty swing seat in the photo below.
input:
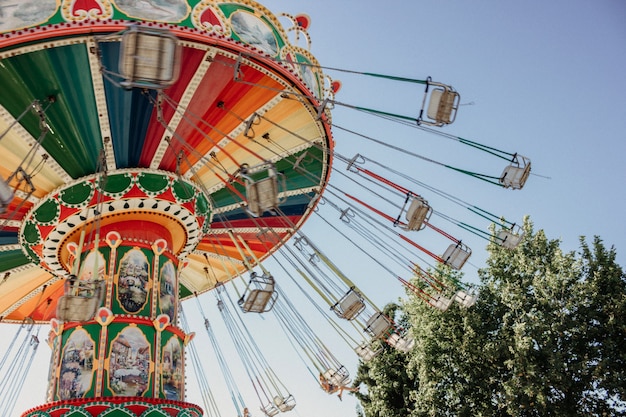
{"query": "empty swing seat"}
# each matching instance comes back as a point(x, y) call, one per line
point(442, 105)
point(378, 325)
point(465, 299)
point(516, 173)
point(149, 58)
point(403, 344)
point(81, 300)
point(440, 302)
point(418, 214)
point(365, 352)
point(350, 305)
point(509, 239)
point(262, 193)
point(284, 404)
point(259, 295)
point(456, 255)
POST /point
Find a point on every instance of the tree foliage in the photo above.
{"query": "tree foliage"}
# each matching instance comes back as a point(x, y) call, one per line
point(546, 337)
point(387, 382)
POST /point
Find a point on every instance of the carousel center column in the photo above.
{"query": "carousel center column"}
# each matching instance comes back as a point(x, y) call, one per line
point(118, 244)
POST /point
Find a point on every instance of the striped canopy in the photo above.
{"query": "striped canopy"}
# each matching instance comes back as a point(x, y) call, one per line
point(244, 97)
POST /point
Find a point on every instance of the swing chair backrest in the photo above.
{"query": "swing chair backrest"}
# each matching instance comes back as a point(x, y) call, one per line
point(443, 103)
point(509, 239)
point(262, 195)
point(378, 325)
point(259, 296)
point(81, 300)
point(516, 173)
point(402, 344)
point(456, 255)
point(418, 214)
point(149, 58)
point(6, 195)
point(440, 302)
point(465, 299)
point(366, 352)
point(350, 305)
point(284, 404)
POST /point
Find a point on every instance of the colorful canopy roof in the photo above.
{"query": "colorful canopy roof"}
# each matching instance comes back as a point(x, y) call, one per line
point(245, 96)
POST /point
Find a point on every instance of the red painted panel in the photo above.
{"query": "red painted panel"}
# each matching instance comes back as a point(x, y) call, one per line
point(219, 86)
point(192, 58)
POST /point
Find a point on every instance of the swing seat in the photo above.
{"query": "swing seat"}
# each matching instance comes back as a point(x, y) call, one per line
point(149, 58)
point(6, 195)
point(259, 296)
point(350, 305)
point(509, 239)
point(516, 173)
point(365, 352)
point(403, 344)
point(418, 214)
point(270, 410)
point(81, 300)
point(443, 104)
point(465, 299)
point(262, 193)
point(284, 404)
point(378, 325)
point(339, 377)
point(456, 255)
point(440, 302)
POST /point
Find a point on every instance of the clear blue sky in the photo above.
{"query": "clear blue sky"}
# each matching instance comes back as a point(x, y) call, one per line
point(546, 79)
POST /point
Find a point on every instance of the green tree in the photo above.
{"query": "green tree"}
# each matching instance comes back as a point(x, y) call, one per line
point(385, 382)
point(545, 338)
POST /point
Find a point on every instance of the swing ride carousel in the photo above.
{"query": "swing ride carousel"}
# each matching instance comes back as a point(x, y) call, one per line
point(152, 154)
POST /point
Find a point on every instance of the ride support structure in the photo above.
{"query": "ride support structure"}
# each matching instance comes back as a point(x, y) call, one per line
point(131, 131)
point(115, 340)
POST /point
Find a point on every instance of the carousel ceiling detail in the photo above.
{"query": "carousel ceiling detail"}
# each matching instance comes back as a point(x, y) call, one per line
point(83, 144)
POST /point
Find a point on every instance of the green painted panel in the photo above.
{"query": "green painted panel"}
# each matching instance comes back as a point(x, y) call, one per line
point(307, 173)
point(118, 183)
point(80, 347)
point(184, 292)
point(153, 183)
point(226, 196)
point(202, 205)
point(134, 351)
point(31, 233)
point(133, 292)
point(302, 170)
point(62, 73)
point(77, 194)
point(47, 212)
point(182, 190)
point(12, 259)
point(229, 8)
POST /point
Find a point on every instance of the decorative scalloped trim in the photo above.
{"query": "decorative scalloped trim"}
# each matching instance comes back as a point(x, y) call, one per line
point(115, 406)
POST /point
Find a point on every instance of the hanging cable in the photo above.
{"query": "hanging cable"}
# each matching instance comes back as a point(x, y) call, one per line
point(231, 384)
point(15, 372)
point(210, 404)
point(269, 389)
